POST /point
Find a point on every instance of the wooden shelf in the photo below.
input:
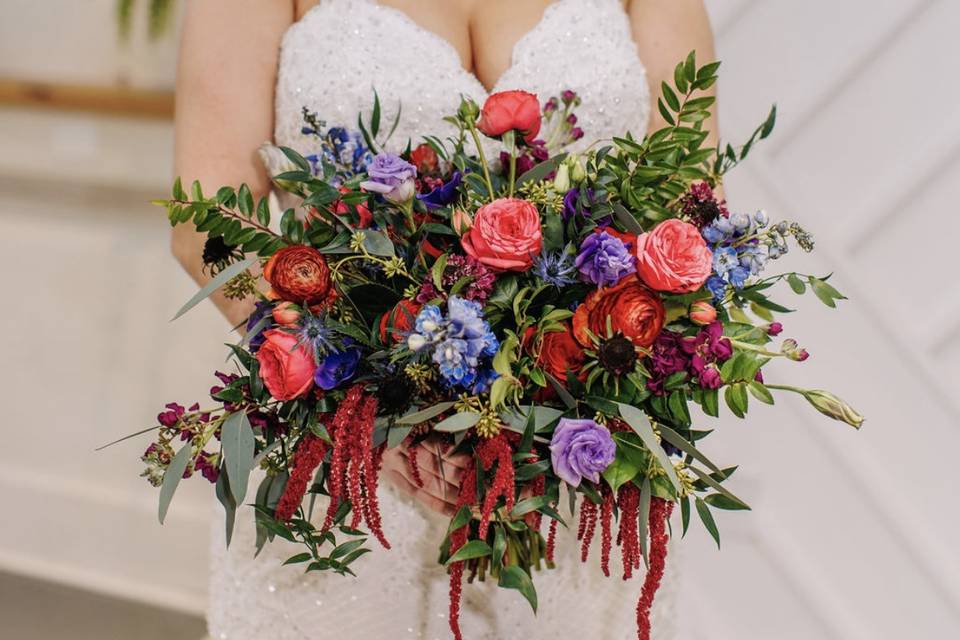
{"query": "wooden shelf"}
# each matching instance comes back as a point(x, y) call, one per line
point(98, 99)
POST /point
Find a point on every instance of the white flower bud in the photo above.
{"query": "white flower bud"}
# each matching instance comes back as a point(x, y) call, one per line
point(561, 183)
point(416, 342)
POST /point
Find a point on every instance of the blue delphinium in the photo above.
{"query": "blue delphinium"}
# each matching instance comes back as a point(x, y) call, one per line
point(741, 248)
point(462, 343)
point(556, 268)
point(342, 149)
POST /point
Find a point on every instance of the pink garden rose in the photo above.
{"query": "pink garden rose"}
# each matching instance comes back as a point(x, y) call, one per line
point(505, 235)
point(673, 257)
point(286, 372)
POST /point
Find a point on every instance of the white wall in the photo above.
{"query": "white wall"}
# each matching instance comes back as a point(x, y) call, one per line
point(851, 533)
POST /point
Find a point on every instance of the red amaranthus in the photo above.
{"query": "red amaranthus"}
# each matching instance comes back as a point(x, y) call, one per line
point(306, 459)
point(355, 465)
point(660, 511)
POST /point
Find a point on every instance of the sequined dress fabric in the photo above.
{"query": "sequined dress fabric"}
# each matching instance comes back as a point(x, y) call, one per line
point(331, 62)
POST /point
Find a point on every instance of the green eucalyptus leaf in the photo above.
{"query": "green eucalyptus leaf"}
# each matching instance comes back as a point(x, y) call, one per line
point(221, 279)
point(238, 443)
point(172, 477)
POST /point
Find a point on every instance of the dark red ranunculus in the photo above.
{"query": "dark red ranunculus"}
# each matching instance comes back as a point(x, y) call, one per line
point(633, 309)
point(299, 274)
point(398, 321)
point(511, 110)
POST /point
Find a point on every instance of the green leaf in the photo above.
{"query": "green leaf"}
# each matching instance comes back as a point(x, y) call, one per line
point(541, 171)
point(529, 505)
point(457, 422)
point(499, 546)
point(222, 491)
point(668, 94)
point(621, 471)
point(375, 116)
point(639, 422)
point(686, 446)
point(423, 415)
point(679, 80)
point(377, 243)
point(690, 67)
point(736, 398)
point(665, 113)
point(514, 577)
point(707, 518)
point(720, 501)
point(300, 557)
point(709, 480)
point(711, 402)
point(472, 549)
point(245, 200)
point(685, 515)
point(759, 391)
point(221, 279)
point(627, 219)
point(561, 391)
point(796, 284)
point(238, 443)
point(172, 477)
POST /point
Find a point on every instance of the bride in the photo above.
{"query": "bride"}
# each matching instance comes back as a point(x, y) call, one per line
point(247, 68)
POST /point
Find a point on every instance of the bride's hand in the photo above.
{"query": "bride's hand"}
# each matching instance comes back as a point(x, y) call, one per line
point(440, 487)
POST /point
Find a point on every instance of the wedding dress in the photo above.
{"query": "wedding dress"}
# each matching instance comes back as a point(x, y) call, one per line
point(332, 60)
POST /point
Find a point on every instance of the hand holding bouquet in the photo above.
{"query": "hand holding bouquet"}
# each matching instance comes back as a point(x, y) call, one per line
point(549, 315)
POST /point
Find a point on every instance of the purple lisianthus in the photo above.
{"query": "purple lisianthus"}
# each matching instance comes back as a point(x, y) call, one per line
point(604, 259)
point(581, 449)
point(392, 177)
point(336, 368)
point(442, 195)
point(260, 320)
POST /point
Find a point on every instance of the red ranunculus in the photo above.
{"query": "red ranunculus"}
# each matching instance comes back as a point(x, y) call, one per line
point(424, 158)
point(398, 321)
point(511, 110)
point(505, 235)
point(287, 372)
point(633, 309)
point(673, 257)
point(559, 353)
point(299, 274)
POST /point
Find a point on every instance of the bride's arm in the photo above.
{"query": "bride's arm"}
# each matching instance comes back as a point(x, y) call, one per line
point(224, 108)
point(665, 32)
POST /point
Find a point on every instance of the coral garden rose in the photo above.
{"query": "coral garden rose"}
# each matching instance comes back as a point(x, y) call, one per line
point(505, 235)
point(634, 310)
point(398, 322)
point(581, 449)
point(286, 368)
point(299, 274)
point(673, 257)
point(511, 110)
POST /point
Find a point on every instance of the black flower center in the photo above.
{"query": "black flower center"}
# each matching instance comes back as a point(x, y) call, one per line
point(617, 355)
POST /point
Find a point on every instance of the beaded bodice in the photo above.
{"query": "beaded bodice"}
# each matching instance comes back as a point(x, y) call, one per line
point(332, 61)
point(343, 50)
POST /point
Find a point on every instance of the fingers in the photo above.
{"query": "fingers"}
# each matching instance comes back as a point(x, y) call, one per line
point(423, 496)
point(430, 463)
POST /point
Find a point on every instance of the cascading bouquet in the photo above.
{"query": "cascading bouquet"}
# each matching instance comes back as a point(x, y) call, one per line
point(552, 315)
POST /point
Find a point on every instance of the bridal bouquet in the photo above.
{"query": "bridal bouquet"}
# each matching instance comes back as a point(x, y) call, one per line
point(555, 316)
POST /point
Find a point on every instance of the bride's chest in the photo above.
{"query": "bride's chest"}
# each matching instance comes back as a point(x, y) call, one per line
point(343, 51)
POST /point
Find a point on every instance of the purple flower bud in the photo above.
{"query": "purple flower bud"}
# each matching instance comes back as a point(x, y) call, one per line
point(774, 329)
point(710, 378)
point(576, 133)
point(572, 119)
point(581, 449)
point(568, 96)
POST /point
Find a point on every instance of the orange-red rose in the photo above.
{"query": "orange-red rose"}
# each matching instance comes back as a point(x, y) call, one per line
point(287, 372)
point(425, 159)
point(397, 322)
point(299, 274)
point(673, 257)
point(511, 110)
point(505, 235)
point(633, 309)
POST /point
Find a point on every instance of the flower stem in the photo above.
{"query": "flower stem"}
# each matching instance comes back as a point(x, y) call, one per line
point(483, 158)
point(746, 346)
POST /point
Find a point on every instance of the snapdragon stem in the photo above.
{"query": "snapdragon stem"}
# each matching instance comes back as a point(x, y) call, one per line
point(746, 346)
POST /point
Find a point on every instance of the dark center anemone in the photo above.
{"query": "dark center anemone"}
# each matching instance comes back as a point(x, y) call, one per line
point(395, 394)
point(617, 355)
point(217, 253)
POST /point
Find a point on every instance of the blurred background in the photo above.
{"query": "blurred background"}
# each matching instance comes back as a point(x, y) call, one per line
point(852, 534)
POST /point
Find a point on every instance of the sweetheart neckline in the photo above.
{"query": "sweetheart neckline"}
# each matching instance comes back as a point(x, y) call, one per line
point(445, 44)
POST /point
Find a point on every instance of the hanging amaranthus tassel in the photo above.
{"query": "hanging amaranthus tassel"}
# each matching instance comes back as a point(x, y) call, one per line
point(355, 465)
point(660, 511)
point(497, 450)
point(414, 465)
point(628, 499)
point(606, 521)
point(458, 538)
point(537, 486)
point(306, 459)
point(588, 524)
point(551, 542)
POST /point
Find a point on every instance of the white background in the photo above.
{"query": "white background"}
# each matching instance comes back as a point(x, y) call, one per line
point(852, 534)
